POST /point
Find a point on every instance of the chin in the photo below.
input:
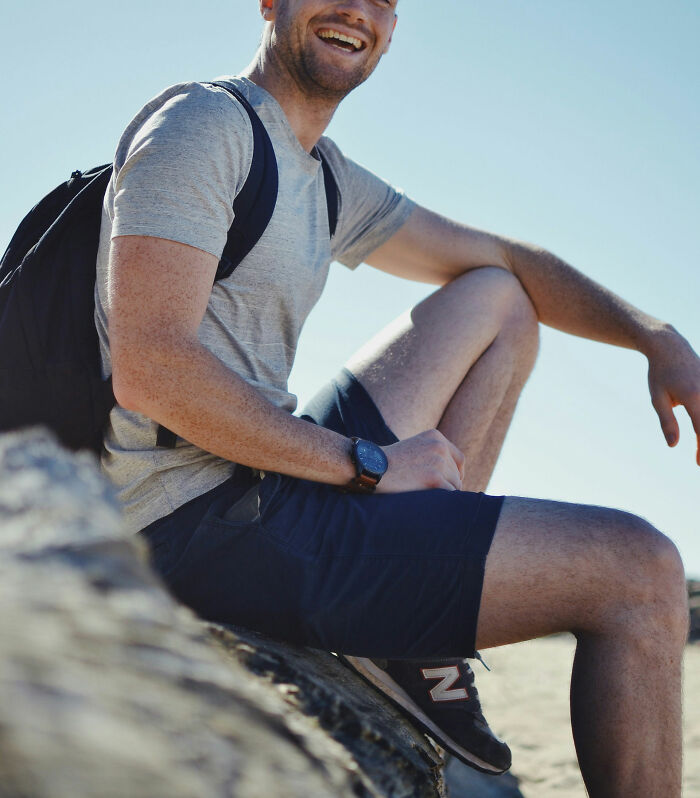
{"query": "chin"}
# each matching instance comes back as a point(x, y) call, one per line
point(339, 87)
point(334, 81)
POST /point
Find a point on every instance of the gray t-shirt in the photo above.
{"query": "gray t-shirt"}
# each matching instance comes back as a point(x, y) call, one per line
point(177, 170)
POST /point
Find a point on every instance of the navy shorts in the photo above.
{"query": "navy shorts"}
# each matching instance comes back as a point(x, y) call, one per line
point(388, 575)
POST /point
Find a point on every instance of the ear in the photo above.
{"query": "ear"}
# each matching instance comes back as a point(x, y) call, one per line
point(267, 10)
point(388, 44)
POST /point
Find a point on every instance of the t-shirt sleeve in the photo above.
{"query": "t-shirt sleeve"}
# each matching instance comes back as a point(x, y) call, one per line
point(370, 209)
point(178, 170)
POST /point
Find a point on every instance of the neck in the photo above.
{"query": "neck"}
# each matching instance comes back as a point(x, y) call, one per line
point(307, 115)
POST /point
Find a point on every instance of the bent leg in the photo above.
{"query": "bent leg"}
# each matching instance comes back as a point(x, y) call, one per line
point(456, 362)
point(618, 585)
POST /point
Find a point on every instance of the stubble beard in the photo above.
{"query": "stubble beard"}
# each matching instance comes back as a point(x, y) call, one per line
point(311, 73)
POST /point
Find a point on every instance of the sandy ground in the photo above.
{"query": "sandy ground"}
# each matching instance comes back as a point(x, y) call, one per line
point(526, 701)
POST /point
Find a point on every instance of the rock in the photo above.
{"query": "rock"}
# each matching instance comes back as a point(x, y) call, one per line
point(109, 688)
point(394, 756)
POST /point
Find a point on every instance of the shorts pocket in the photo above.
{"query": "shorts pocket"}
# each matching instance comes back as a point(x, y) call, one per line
point(291, 515)
point(193, 539)
point(245, 510)
point(166, 545)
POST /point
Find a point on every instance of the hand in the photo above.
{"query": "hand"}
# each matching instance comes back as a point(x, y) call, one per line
point(427, 460)
point(674, 379)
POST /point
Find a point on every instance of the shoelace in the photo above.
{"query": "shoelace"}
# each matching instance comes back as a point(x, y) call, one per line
point(482, 661)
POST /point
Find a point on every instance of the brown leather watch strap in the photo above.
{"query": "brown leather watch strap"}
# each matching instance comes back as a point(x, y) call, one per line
point(361, 484)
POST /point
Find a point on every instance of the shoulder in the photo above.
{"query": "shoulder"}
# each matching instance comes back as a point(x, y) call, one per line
point(185, 156)
point(190, 110)
point(200, 104)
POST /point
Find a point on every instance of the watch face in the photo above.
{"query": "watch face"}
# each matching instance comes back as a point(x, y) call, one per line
point(371, 458)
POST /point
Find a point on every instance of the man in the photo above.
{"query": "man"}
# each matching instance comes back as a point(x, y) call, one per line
point(409, 568)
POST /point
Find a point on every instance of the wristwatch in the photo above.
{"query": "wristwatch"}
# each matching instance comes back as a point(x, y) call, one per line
point(370, 465)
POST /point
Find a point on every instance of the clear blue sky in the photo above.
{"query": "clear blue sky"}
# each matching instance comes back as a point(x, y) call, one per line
point(572, 125)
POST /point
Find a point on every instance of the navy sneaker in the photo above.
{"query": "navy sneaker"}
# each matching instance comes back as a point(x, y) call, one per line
point(441, 699)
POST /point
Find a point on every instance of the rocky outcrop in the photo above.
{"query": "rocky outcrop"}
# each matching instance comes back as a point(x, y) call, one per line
point(315, 684)
point(109, 688)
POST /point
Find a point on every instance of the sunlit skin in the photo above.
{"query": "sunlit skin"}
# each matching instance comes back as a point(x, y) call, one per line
point(446, 377)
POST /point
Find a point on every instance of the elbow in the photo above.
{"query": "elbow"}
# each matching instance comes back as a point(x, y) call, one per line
point(146, 376)
point(148, 369)
point(132, 377)
point(125, 387)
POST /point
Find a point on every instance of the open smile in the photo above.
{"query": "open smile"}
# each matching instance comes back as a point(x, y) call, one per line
point(341, 41)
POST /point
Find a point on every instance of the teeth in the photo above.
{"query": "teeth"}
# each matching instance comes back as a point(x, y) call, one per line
point(334, 34)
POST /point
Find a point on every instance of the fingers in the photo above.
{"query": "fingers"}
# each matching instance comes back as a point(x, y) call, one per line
point(664, 410)
point(427, 460)
point(454, 478)
point(452, 462)
point(459, 459)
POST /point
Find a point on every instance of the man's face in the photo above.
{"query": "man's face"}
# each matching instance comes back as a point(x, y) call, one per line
point(330, 46)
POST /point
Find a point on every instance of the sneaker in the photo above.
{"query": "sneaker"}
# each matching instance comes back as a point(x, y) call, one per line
point(441, 699)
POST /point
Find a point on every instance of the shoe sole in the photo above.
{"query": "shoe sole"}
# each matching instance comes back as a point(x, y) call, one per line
point(385, 684)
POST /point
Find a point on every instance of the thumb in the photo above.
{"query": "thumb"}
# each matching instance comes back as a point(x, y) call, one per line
point(664, 410)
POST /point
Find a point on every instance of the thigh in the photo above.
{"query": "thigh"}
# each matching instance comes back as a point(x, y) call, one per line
point(555, 567)
point(413, 367)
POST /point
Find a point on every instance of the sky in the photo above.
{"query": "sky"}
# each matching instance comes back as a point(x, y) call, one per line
point(574, 126)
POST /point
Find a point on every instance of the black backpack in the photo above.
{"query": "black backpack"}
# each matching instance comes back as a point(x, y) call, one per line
point(49, 350)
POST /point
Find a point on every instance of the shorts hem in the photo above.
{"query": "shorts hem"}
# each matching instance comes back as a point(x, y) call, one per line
point(473, 567)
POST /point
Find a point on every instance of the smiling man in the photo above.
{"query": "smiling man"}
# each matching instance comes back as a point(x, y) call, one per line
point(360, 526)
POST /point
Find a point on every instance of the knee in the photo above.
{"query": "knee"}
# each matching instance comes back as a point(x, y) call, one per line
point(520, 327)
point(647, 585)
point(507, 298)
point(521, 321)
point(666, 594)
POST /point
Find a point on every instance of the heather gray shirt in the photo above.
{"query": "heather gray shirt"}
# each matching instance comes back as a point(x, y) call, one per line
point(177, 170)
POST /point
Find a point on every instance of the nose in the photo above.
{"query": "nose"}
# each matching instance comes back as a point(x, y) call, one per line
point(353, 10)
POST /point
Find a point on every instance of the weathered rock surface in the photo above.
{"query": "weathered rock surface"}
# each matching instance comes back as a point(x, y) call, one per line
point(389, 751)
point(109, 688)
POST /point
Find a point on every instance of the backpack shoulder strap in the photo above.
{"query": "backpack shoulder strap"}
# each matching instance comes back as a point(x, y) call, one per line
point(255, 202)
point(331, 194)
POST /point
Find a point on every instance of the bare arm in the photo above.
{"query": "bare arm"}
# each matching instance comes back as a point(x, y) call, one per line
point(161, 369)
point(158, 292)
point(433, 249)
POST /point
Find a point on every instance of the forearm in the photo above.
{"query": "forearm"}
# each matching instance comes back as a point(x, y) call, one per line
point(567, 300)
point(187, 389)
point(434, 249)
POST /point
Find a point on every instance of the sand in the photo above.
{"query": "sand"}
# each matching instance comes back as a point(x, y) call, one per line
point(526, 701)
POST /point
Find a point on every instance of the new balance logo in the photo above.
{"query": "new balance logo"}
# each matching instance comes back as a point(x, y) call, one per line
point(448, 676)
